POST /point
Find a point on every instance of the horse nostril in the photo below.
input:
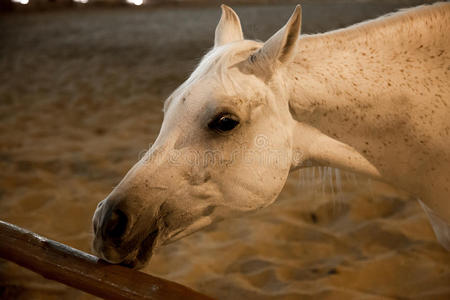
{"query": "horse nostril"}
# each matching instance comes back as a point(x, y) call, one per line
point(116, 225)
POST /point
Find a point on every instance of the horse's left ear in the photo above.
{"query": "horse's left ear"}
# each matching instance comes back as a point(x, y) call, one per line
point(229, 28)
point(279, 49)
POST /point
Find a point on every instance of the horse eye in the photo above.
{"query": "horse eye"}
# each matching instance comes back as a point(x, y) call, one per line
point(224, 122)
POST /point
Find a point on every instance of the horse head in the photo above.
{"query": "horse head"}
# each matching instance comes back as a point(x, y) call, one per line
point(225, 148)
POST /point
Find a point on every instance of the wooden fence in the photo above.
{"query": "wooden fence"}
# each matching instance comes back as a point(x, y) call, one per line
point(83, 271)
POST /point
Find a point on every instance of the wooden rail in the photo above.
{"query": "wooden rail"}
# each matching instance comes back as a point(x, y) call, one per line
point(83, 271)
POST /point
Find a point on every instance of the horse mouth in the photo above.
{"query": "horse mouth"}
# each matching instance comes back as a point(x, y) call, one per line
point(144, 252)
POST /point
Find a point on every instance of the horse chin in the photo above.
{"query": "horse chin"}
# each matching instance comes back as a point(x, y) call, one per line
point(142, 256)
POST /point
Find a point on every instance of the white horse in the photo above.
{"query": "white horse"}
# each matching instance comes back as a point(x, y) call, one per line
point(373, 99)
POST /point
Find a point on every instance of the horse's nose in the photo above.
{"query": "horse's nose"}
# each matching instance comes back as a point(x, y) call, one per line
point(114, 226)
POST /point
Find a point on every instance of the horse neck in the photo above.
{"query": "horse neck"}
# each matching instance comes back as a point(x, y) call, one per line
point(362, 85)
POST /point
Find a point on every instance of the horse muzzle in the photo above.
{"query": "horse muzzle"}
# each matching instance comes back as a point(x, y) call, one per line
point(119, 239)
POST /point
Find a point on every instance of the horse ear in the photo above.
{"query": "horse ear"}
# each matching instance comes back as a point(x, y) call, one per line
point(229, 28)
point(278, 49)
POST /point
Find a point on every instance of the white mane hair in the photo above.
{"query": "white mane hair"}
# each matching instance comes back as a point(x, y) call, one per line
point(420, 19)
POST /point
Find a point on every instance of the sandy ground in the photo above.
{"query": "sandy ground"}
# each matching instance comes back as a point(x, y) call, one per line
point(80, 98)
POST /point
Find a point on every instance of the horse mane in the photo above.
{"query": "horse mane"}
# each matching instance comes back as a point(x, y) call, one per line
point(420, 20)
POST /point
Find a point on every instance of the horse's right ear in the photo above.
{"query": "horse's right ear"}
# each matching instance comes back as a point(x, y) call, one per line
point(229, 28)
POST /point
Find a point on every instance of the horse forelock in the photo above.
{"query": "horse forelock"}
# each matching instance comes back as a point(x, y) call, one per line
point(219, 64)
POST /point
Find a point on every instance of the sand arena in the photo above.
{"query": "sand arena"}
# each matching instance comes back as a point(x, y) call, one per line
point(81, 94)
